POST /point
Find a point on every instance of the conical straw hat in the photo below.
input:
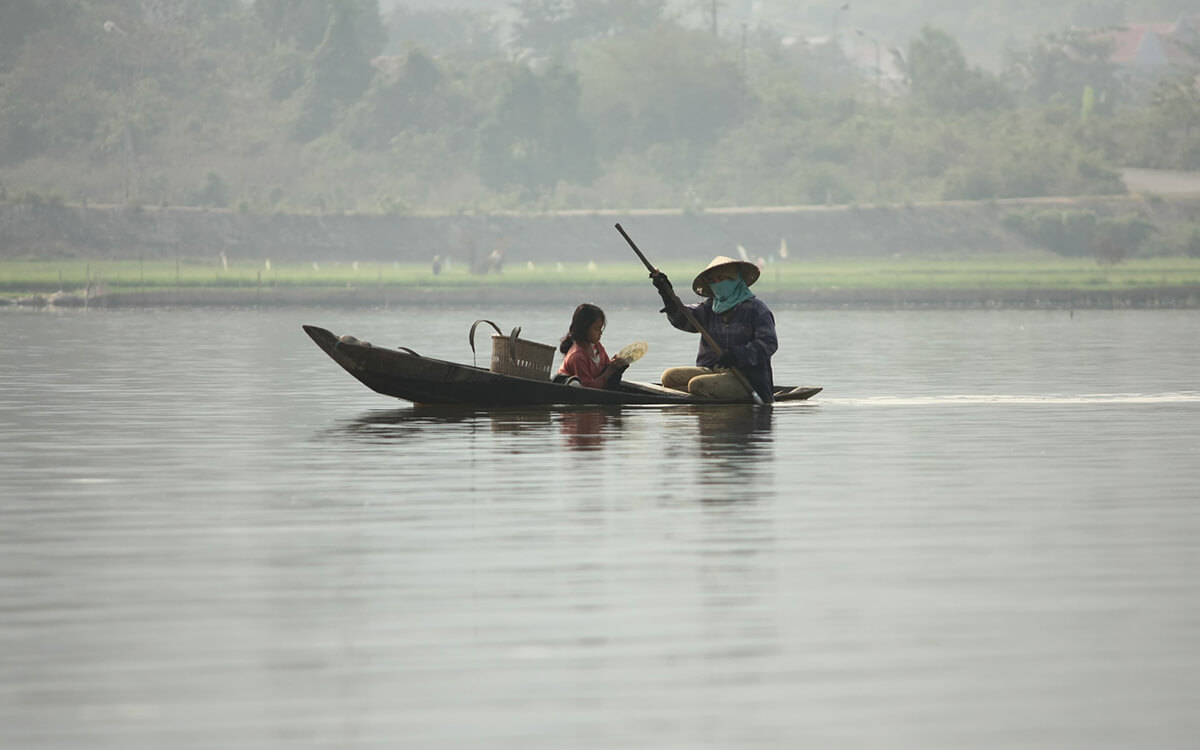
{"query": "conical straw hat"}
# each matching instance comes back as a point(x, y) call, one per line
point(749, 273)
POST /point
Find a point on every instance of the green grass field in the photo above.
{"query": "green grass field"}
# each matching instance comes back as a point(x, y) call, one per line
point(982, 273)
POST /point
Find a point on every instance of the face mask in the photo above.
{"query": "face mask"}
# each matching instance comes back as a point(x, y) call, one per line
point(722, 289)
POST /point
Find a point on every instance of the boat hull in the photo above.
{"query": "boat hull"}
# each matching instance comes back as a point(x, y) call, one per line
point(406, 375)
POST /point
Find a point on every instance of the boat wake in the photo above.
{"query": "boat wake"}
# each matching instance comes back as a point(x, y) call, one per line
point(1176, 397)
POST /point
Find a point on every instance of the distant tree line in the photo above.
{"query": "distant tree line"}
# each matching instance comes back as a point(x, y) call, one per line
point(326, 105)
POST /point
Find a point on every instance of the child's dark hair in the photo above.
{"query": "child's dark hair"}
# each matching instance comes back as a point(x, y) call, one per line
point(585, 315)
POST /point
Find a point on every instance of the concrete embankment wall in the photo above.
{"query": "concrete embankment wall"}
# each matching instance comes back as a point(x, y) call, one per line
point(55, 232)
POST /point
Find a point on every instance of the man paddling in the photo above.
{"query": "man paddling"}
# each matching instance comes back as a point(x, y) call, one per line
point(740, 324)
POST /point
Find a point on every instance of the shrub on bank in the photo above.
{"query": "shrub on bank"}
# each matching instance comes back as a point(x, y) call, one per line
point(1082, 234)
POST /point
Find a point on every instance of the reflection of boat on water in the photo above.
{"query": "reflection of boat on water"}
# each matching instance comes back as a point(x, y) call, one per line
point(735, 444)
point(584, 429)
point(728, 438)
point(736, 424)
point(407, 375)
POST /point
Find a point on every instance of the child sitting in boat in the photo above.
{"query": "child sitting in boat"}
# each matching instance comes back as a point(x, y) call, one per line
point(585, 360)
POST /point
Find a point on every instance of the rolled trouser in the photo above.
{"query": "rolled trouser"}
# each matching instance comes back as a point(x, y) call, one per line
point(705, 382)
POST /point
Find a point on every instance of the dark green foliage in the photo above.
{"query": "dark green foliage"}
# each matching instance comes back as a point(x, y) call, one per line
point(418, 98)
point(1068, 67)
point(302, 22)
point(1119, 237)
point(340, 73)
point(535, 137)
point(942, 82)
point(305, 23)
point(1016, 158)
point(213, 192)
point(1083, 233)
point(1176, 104)
point(287, 70)
point(1191, 241)
point(660, 85)
point(21, 20)
point(1163, 135)
point(341, 68)
point(19, 138)
point(464, 34)
point(1181, 239)
point(633, 108)
point(550, 26)
point(1064, 232)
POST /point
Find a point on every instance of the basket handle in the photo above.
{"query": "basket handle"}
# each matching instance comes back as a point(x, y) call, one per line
point(471, 336)
point(512, 342)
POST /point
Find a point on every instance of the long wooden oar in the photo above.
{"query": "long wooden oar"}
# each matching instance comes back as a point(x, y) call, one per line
point(687, 313)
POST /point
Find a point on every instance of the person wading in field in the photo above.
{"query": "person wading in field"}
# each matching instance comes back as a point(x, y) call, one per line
point(740, 323)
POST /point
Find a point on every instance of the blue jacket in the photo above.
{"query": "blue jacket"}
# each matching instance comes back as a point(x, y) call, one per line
point(748, 330)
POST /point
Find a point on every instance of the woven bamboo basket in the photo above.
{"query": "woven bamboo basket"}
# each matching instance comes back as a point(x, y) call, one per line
point(513, 355)
point(527, 359)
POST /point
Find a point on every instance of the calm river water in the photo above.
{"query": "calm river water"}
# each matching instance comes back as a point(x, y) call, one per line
point(982, 534)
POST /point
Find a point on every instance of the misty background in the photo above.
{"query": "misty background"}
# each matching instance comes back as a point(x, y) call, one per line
point(981, 534)
point(371, 106)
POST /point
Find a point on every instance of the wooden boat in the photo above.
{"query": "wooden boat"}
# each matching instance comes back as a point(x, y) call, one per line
point(404, 374)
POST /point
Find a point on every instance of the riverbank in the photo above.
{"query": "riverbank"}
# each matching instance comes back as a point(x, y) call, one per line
point(1164, 295)
point(992, 282)
point(48, 231)
point(947, 255)
point(1182, 297)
